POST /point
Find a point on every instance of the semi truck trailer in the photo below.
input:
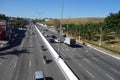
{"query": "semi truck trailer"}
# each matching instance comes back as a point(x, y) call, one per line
point(70, 41)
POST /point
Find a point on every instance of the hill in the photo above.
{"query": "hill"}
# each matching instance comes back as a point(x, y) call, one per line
point(74, 21)
point(82, 20)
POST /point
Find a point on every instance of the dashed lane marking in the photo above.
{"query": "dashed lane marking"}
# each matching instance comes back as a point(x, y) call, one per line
point(15, 65)
point(30, 63)
point(90, 74)
point(115, 70)
point(87, 60)
point(44, 61)
point(109, 77)
point(67, 49)
point(86, 50)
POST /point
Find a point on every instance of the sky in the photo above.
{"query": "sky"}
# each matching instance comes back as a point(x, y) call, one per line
point(53, 8)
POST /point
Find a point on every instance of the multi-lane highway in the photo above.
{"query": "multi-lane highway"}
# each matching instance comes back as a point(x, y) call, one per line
point(87, 63)
point(25, 56)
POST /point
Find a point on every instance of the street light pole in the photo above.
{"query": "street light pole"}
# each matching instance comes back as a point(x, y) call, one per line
point(60, 26)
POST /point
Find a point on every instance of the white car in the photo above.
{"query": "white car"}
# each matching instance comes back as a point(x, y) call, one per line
point(57, 40)
point(38, 75)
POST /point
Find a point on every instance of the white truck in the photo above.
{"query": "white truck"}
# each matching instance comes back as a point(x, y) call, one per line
point(70, 41)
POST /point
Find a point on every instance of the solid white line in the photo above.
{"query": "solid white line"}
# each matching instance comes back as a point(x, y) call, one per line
point(115, 70)
point(109, 77)
point(30, 63)
point(15, 65)
point(90, 74)
point(106, 53)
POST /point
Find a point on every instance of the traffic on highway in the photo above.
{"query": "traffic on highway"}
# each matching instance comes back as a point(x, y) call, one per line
point(60, 40)
point(86, 62)
point(29, 58)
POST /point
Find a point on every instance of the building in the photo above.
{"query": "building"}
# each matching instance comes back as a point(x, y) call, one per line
point(2, 30)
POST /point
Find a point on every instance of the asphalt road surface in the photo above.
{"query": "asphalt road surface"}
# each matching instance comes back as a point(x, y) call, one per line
point(24, 56)
point(87, 63)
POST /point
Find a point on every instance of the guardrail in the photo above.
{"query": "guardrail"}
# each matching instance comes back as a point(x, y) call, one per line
point(67, 71)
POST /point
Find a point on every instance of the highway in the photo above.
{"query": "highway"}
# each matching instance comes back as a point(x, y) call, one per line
point(21, 59)
point(86, 62)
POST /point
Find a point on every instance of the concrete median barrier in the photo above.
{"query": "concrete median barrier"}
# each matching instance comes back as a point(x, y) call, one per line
point(62, 65)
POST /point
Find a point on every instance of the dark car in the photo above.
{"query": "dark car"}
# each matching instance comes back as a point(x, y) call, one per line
point(53, 36)
point(51, 40)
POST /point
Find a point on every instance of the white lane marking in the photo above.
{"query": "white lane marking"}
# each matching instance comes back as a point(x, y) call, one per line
point(66, 49)
point(95, 58)
point(30, 51)
point(105, 53)
point(63, 54)
point(109, 77)
point(90, 74)
point(115, 70)
point(74, 48)
point(44, 61)
point(0, 63)
point(38, 43)
point(86, 50)
point(30, 63)
point(87, 60)
point(15, 65)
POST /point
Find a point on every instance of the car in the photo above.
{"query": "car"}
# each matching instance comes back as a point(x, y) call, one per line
point(38, 75)
point(45, 35)
point(51, 40)
point(53, 36)
point(57, 40)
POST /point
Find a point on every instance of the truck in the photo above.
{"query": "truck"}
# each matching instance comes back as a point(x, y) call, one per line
point(70, 41)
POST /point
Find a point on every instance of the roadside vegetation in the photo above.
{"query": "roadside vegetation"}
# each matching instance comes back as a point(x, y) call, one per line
point(103, 32)
point(17, 21)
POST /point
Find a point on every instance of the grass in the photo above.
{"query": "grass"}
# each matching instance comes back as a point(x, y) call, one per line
point(81, 20)
point(111, 45)
point(77, 21)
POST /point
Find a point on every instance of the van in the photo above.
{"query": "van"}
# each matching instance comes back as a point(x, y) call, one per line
point(38, 75)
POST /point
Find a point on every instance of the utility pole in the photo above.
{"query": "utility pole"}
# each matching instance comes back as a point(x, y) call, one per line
point(68, 22)
point(79, 32)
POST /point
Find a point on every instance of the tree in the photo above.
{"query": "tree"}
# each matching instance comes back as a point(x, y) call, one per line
point(3, 17)
point(113, 23)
